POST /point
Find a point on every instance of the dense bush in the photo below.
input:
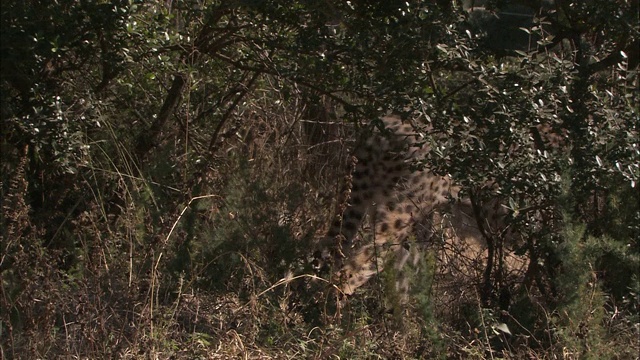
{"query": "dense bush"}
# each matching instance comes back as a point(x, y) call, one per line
point(167, 167)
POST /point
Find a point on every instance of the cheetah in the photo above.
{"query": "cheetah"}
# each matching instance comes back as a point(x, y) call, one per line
point(397, 197)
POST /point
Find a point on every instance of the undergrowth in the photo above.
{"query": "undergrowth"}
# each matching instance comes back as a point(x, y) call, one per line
point(214, 276)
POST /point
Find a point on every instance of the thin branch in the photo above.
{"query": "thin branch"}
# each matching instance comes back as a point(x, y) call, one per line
point(227, 114)
point(147, 139)
point(295, 79)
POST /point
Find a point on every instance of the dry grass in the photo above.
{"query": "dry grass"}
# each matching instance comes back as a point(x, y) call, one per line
point(210, 276)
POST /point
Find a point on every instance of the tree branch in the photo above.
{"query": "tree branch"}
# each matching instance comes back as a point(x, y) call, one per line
point(148, 139)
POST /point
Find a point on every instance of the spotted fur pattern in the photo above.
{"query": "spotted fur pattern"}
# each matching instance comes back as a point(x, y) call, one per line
point(395, 198)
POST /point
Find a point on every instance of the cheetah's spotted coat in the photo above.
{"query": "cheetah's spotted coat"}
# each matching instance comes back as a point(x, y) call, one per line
point(396, 197)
